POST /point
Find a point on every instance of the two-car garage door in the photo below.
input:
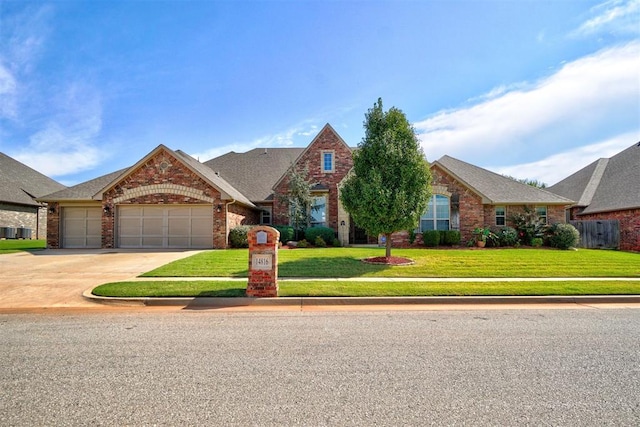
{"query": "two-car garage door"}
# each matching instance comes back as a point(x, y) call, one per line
point(169, 226)
point(141, 226)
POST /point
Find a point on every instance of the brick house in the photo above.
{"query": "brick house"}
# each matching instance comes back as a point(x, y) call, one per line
point(608, 189)
point(20, 185)
point(168, 199)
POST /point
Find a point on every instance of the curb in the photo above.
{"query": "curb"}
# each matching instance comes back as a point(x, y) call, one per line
point(347, 301)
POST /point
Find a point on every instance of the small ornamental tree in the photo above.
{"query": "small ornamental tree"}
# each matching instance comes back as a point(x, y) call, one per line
point(298, 198)
point(390, 186)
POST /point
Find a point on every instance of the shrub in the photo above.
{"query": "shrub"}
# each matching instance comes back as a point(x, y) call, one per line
point(336, 243)
point(528, 225)
point(303, 244)
point(564, 236)
point(508, 236)
point(286, 232)
point(327, 234)
point(431, 238)
point(238, 236)
point(450, 237)
point(412, 236)
point(536, 242)
point(319, 242)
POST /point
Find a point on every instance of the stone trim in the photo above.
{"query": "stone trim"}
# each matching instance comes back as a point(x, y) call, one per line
point(441, 189)
point(132, 193)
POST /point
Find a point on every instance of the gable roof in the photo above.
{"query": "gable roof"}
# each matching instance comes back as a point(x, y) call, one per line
point(208, 175)
point(19, 184)
point(497, 189)
point(255, 172)
point(606, 184)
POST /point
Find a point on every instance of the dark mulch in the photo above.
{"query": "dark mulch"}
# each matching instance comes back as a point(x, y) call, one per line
point(392, 260)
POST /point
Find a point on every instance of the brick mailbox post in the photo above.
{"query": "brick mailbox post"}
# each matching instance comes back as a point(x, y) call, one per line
point(263, 262)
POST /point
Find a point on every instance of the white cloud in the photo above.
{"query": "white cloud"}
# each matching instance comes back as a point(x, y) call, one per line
point(564, 109)
point(67, 143)
point(559, 166)
point(614, 16)
point(278, 140)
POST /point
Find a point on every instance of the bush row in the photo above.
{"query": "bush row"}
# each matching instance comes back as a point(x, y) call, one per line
point(318, 236)
point(561, 236)
point(433, 238)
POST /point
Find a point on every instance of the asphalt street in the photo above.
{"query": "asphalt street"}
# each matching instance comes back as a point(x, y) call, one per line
point(206, 367)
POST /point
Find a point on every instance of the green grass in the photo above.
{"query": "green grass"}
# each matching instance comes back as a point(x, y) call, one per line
point(202, 288)
point(345, 263)
point(11, 246)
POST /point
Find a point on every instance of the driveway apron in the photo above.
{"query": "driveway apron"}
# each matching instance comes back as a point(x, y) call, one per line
point(57, 277)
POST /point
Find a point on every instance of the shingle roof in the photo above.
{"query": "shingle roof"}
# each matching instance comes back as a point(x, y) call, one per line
point(20, 184)
point(214, 178)
point(606, 184)
point(495, 188)
point(255, 172)
point(83, 191)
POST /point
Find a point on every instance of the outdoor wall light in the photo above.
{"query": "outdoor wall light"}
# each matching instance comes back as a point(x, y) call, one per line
point(219, 208)
point(106, 209)
point(52, 210)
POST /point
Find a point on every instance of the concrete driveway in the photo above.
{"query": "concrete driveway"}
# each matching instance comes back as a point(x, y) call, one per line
point(57, 277)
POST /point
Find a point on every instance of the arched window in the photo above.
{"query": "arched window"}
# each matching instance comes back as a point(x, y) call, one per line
point(437, 215)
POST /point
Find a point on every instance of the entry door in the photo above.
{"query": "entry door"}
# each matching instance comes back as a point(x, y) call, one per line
point(174, 226)
point(81, 227)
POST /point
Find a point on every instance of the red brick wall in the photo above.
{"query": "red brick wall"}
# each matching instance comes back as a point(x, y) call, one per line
point(53, 226)
point(150, 173)
point(629, 225)
point(326, 140)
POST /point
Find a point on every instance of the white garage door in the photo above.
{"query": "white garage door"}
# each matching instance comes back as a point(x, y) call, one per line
point(81, 227)
point(175, 226)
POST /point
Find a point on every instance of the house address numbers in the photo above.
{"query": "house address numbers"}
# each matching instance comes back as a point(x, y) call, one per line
point(261, 261)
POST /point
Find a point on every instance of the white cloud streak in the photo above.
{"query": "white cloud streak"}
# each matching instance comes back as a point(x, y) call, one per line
point(66, 143)
point(282, 139)
point(581, 97)
point(614, 16)
point(554, 168)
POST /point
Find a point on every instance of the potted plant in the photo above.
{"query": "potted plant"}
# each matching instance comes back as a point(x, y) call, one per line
point(482, 234)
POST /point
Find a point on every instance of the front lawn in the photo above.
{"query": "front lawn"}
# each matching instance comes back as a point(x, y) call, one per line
point(345, 263)
point(10, 246)
point(203, 288)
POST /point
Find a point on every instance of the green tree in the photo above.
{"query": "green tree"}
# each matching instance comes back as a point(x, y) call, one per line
point(390, 186)
point(298, 198)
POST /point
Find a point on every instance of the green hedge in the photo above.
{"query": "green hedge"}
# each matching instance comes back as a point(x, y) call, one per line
point(327, 234)
point(450, 237)
point(431, 238)
point(286, 232)
point(238, 236)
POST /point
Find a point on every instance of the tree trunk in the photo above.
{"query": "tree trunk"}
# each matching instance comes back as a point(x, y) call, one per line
point(388, 246)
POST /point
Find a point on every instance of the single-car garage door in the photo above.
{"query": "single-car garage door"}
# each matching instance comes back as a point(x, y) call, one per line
point(170, 226)
point(81, 227)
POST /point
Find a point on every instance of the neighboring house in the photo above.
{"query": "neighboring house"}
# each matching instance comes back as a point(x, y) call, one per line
point(608, 189)
point(19, 187)
point(168, 199)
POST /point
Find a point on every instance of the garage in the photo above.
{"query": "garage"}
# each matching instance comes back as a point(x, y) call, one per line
point(168, 226)
point(81, 227)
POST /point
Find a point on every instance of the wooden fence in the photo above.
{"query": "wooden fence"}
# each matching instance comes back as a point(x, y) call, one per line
point(598, 234)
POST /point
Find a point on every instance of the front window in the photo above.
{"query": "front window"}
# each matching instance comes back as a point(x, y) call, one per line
point(318, 214)
point(501, 215)
point(265, 216)
point(542, 213)
point(437, 215)
point(327, 162)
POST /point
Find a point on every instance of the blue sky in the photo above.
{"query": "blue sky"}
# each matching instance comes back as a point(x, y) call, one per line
point(532, 89)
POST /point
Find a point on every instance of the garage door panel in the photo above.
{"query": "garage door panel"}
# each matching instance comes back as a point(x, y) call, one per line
point(81, 227)
point(180, 226)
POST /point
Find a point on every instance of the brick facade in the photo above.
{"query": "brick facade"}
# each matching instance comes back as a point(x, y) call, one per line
point(326, 141)
point(471, 211)
point(628, 219)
